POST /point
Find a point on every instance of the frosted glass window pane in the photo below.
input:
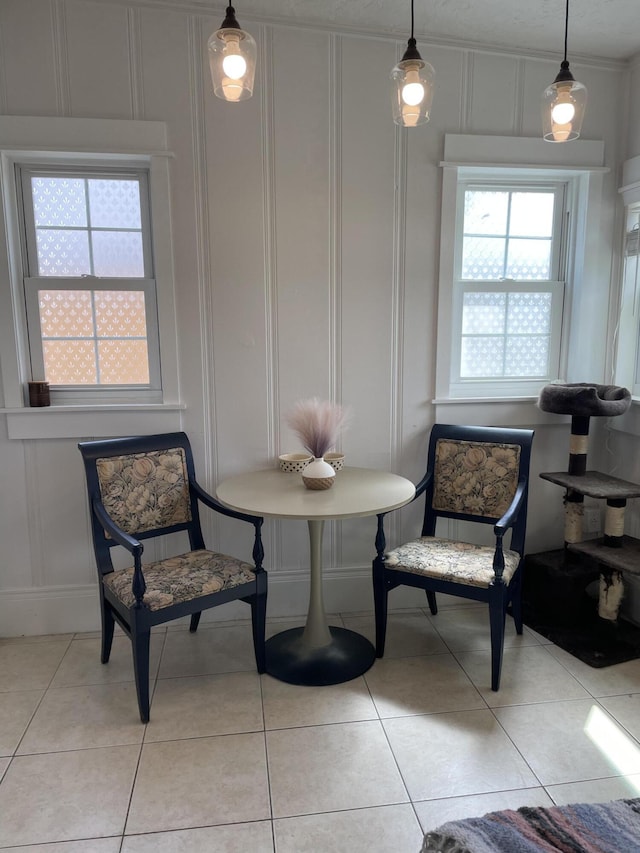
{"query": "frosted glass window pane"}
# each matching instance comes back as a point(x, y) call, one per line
point(120, 314)
point(70, 362)
point(527, 355)
point(123, 362)
point(529, 313)
point(483, 258)
point(63, 253)
point(114, 203)
point(65, 313)
point(481, 356)
point(529, 260)
point(59, 202)
point(118, 254)
point(483, 313)
point(531, 215)
point(485, 212)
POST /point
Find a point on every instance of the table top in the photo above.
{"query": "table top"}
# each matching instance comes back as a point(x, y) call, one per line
point(356, 492)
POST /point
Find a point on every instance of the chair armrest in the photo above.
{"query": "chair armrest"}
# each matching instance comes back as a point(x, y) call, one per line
point(215, 505)
point(256, 520)
point(511, 515)
point(132, 544)
point(380, 537)
point(422, 485)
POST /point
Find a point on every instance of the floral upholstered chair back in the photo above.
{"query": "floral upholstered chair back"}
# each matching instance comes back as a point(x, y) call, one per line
point(475, 478)
point(146, 491)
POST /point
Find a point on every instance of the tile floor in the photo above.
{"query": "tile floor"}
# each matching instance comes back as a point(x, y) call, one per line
point(232, 761)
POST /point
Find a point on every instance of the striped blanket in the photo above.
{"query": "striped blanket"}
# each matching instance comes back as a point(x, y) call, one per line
point(581, 828)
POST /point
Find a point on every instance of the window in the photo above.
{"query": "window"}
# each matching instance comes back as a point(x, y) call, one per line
point(89, 287)
point(85, 224)
point(508, 292)
point(522, 259)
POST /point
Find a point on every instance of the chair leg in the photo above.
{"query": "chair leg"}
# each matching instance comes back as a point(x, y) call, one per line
point(140, 643)
point(380, 600)
point(108, 624)
point(496, 618)
point(258, 623)
point(516, 602)
point(195, 621)
point(433, 604)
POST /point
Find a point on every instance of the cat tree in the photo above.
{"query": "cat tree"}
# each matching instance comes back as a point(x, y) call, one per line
point(615, 552)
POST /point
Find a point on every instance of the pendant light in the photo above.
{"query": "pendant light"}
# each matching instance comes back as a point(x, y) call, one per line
point(412, 86)
point(232, 59)
point(563, 102)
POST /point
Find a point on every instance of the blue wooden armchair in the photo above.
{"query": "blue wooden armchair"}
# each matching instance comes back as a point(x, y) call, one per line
point(474, 474)
point(142, 487)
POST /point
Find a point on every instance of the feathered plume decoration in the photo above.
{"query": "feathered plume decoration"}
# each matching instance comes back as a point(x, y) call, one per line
point(317, 423)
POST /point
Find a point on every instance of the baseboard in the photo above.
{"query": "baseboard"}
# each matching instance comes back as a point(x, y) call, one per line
point(73, 609)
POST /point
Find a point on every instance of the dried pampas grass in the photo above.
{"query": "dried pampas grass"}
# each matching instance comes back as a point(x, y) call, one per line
point(317, 423)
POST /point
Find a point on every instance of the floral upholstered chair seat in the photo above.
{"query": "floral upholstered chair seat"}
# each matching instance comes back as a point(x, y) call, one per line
point(459, 562)
point(181, 578)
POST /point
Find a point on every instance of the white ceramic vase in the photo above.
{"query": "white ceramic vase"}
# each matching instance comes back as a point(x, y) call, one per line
point(318, 475)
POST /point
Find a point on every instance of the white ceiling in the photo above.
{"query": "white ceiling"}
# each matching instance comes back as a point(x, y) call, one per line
point(606, 29)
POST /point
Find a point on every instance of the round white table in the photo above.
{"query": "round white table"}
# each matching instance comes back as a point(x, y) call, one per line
point(317, 654)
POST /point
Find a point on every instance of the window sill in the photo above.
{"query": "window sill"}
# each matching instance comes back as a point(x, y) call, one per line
point(87, 421)
point(494, 411)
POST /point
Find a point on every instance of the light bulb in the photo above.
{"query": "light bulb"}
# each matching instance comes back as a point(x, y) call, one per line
point(413, 90)
point(563, 110)
point(560, 132)
point(410, 114)
point(232, 89)
point(234, 64)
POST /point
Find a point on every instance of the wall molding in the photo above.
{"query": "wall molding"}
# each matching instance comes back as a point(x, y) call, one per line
point(74, 609)
point(135, 63)
point(60, 57)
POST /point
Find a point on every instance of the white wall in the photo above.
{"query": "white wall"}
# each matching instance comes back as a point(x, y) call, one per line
point(306, 237)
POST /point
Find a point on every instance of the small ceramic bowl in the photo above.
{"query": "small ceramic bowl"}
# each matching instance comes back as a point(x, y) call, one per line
point(294, 463)
point(336, 460)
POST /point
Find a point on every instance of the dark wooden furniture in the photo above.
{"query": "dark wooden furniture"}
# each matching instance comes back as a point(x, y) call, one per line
point(143, 487)
point(474, 474)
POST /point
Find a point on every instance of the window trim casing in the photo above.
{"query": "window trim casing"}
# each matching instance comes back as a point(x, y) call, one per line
point(134, 144)
point(491, 158)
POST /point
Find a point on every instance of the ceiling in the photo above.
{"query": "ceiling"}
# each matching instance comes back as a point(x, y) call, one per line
point(604, 29)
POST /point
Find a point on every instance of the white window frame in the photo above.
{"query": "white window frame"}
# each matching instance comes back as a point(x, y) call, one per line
point(470, 387)
point(140, 145)
point(511, 160)
point(150, 392)
point(627, 359)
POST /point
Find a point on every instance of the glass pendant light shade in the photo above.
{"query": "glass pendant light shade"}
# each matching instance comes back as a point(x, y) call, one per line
point(412, 88)
point(412, 80)
point(563, 107)
point(564, 101)
point(232, 59)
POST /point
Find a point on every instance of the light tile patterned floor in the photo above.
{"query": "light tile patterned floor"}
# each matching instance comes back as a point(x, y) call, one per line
point(232, 761)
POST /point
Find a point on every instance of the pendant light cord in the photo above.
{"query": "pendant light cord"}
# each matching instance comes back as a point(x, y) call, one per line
point(566, 29)
point(412, 19)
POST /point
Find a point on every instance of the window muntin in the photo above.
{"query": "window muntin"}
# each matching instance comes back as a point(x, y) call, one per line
point(508, 296)
point(90, 298)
